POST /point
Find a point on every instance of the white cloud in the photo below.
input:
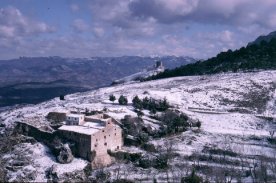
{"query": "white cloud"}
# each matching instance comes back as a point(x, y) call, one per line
point(99, 31)
point(7, 31)
point(74, 7)
point(141, 27)
point(228, 12)
point(80, 25)
point(14, 23)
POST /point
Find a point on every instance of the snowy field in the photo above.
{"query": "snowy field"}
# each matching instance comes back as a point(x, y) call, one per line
point(241, 96)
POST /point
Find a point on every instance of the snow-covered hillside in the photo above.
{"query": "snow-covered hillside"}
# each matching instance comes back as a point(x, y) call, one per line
point(151, 71)
point(228, 105)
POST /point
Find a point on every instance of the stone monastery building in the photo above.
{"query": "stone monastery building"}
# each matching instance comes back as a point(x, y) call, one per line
point(93, 136)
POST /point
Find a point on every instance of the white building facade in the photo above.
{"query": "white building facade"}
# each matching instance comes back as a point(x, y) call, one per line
point(74, 119)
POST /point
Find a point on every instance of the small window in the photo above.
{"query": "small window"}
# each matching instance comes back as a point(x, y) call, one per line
point(108, 123)
point(95, 145)
point(102, 130)
point(118, 147)
point(105, 144)
point(115, 134)
point(96, 140)
point(105, 137)
point(75, 118)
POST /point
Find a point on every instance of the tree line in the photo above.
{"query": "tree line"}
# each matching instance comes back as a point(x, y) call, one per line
point(253, 57)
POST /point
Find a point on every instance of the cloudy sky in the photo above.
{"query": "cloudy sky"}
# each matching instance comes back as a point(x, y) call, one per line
point(85, 28)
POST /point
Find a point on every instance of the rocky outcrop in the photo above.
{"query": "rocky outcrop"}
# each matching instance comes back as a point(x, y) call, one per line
point(65, 154)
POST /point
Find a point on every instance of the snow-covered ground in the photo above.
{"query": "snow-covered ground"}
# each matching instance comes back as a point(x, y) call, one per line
point(37, 160)
point(241, 95)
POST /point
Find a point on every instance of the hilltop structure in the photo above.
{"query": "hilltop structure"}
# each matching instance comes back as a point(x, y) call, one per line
point(93, 136)
point(150, 71)
point(159, 66)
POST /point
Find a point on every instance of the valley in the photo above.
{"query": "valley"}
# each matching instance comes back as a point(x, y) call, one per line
point(31, 80)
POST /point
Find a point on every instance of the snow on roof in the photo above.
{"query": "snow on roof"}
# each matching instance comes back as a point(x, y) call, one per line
point(75, 115)
point(96, 118)
point(93, 125)
point(87, 129)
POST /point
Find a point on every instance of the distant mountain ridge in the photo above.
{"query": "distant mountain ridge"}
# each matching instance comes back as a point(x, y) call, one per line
point(36, 79)
point(255, 56)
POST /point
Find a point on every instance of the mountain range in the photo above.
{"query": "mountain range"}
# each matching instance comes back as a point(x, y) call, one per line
point(36, 79)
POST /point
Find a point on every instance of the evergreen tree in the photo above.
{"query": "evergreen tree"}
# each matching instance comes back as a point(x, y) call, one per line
point(137, 103)
point(145, 102)
point(252, 57)
point(198, 124)
point(112, 98)
point(123, 100)
point(61, 97)
point(139, 113)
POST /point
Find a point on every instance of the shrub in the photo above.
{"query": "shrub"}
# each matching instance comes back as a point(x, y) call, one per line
point(112, 98)
point(133, 157)
point(87, 170)
point(102, 175)
point(193, 178)
point(198, 124)
point(137, 103)
point(123, 100)
point(223, 152)
point(132, 125)
point(143, 138)
point(163, 105)
point(145, 163)
point(271, 140)
point(149, 147)
point(61, 97)
point(153, 111)
point(139, 113)
point(161, 162)
point(175, 122)
point(154, 105)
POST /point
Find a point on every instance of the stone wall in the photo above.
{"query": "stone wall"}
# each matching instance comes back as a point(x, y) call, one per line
point(38, 134)
point(82, 143)
point(108, 138)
